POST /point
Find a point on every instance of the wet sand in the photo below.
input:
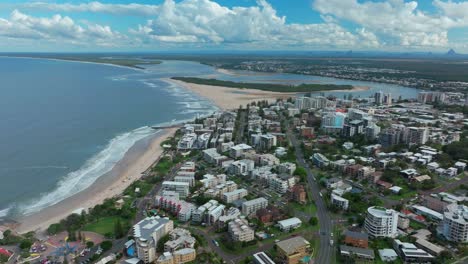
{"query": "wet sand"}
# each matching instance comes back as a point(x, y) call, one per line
point(136, 160)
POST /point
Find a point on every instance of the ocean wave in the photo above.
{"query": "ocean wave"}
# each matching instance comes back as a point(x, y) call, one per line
point(4, 212)
point(101, 163)
point(37, 168)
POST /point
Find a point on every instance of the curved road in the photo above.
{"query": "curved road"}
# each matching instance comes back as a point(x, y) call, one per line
point(324, 255)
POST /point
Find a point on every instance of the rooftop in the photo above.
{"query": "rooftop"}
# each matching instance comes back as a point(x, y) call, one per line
point(144, 229)
point(292, 244)
point(357, 235)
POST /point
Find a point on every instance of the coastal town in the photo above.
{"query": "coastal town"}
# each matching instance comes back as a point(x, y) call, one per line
point(300, 179)
point(410, 73)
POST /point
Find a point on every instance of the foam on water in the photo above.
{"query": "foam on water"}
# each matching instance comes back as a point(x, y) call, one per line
point(191, 105)
point(4, 212)
point(95, 167)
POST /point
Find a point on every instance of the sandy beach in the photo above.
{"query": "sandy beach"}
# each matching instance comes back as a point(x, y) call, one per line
point(137, 159)
point(230, 98)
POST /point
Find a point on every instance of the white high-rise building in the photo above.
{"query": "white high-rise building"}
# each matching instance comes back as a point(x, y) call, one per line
point(455, 223)
point(381, 222)
point(147, 233)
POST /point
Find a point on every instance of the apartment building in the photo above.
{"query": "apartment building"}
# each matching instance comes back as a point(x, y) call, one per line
point(147, 233)
point(238, 194)
point(182, 188)
point(381, 222)
point(281, 183)
point(239, 230)
point(182, 209)
point(251, 207)
point(293, 250)
point(455, 223)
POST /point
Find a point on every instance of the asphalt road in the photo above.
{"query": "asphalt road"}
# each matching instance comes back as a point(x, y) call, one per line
point(324, 255)
point(228, 257)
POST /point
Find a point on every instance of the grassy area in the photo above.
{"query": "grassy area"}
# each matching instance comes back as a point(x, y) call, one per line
point(309, 208)
point(142, 185)
point(305, 88)
point(103, 226)
point(405, 193)
point(416, 225)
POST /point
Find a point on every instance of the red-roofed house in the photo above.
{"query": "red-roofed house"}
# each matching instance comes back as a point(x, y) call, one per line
point(7, 253)
point(419, 218)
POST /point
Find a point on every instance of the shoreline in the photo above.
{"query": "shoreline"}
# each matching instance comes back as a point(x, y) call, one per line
point(136, 160)
point(76, 61)
point(229, 98)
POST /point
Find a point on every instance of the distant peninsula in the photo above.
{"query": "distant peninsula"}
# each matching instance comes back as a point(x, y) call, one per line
point(283, 88)
point(119, 61)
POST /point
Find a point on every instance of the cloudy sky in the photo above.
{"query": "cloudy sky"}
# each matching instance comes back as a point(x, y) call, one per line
point(169, 25)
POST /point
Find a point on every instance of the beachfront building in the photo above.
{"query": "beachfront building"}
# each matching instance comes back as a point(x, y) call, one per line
point(147, 233)
point(190, 179)
point(182, 209)
point(239, 230)
point(187, 142)
point(250, 207)
point(182, 188)
point(381, 222)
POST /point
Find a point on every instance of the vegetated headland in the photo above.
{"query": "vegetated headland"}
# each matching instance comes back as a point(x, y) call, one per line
point(302, 88)
point(134, 62)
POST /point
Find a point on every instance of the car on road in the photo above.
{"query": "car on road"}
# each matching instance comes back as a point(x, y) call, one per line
point(216, 243)
point(331, 242)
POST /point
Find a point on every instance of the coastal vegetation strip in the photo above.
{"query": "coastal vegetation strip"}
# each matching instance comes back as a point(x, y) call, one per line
point(302, 88)
point(125, 62)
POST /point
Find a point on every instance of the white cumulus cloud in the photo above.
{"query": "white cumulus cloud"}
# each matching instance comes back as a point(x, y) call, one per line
point(133, 9)
point(55, 29)
point(205, 21)
point(399, 22)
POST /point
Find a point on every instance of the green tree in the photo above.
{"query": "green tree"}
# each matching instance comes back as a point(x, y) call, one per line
point(71, 235)
point(106, 245)
point(118, 229)
point(313, 221)
point(25, 244)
